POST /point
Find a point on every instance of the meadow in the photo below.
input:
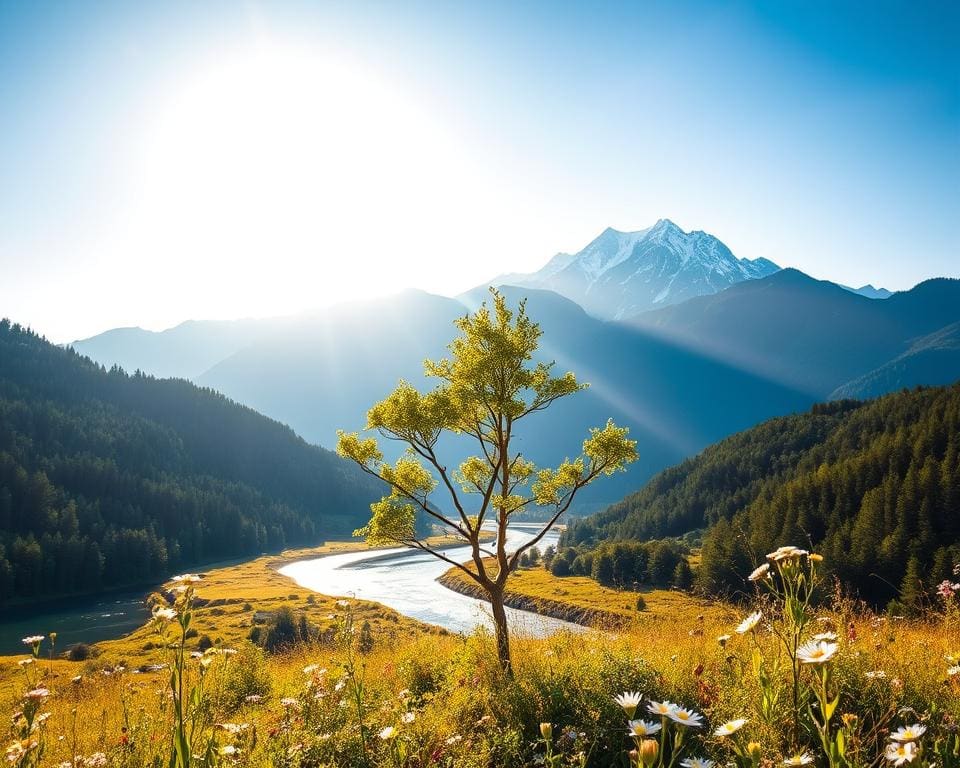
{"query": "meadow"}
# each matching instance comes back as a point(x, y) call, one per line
point(801, 676)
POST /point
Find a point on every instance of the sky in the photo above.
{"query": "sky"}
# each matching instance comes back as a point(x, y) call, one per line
point(165, 161)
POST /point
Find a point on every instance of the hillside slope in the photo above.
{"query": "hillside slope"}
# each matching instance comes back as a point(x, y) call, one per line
point(875, 486)
point(674, 401)
point(805, 333)
point(109, 479)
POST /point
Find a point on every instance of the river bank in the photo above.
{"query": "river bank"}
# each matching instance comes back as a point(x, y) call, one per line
point(583, 601)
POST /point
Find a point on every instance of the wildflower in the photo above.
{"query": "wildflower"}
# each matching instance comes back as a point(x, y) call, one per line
point(816, 652)
point(164, 614)
point(404, 694)
point(37, 694)
point(648, 752)
point(25, 662)
point(898, 754)
point(749, 623)
point(388, 733)
point(76, 679)
point(953, 671)
point(946, 588)
point(697, 762)
point(343, 603)
point(815, 557)
point(96, 760)
point(755, 751)
point(408, 717)
point(909, 733)
point(629, 700)
point(759, 573)
point(643, 728)
point(453, 739)
point(546, 730)
point(877, 674)
point(310, 669)
point(686, 717)
point(234, 729)
point(186, 578)
point(730, 728)
point(289, 703)
point(723, 640)
point(253, 698)
point(786, 553)
point(662, 708)
point(228, 750)
point(804, 758)
point(831, 636)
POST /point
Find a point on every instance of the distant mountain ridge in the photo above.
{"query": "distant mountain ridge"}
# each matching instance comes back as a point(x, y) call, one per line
point(869, 291)
point(680, 377)
point(812, 334)
point(619, 274)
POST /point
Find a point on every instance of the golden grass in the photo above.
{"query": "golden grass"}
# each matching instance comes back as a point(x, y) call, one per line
point(670, 650)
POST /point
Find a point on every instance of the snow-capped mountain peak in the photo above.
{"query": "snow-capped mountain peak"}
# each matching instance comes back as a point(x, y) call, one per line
point(622, 273)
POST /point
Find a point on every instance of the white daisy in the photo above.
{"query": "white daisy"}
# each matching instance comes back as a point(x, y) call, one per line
point(749, 623)
point(730, 728)
point(909, 733)
point(629, 700)
point(816, 652)
point(898, 754)
point(686, 717)
point(640, 728)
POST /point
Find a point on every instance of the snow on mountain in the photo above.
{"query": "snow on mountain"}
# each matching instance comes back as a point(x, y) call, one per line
point(622, 273)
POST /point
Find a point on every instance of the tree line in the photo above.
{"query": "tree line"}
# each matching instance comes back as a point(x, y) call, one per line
point(874, 486)
point(110, 479)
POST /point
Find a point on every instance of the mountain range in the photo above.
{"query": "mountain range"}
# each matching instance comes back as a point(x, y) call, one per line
point(681, 377)
point(817, 337)
point(619, 274)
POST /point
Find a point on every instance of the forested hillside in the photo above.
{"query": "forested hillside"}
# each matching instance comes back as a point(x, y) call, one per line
point(109, 479)
point(874, 486)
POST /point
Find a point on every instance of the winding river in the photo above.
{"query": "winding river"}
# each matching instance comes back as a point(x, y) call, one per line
point(405, 580)
point(402, 579)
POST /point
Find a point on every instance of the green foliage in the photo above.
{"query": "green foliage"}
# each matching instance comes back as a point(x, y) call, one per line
point(246, 677)
point(109, 479)
point(286, 630)
point(874, 486)
point(486, 387)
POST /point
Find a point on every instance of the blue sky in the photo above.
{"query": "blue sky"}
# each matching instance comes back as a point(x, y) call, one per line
point(166, 161)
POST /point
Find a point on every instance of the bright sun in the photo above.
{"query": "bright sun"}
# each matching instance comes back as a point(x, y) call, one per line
point(285, 178)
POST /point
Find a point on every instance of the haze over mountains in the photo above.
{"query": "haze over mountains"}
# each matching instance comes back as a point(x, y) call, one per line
point(733, 342)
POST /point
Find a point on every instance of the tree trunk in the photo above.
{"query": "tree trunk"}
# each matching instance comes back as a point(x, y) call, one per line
point(500, 626)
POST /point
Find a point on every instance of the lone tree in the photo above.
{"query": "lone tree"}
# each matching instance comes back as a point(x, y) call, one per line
point(486, 388)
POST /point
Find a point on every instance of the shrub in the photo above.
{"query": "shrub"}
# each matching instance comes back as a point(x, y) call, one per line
point(247, 675)
point(81, 652)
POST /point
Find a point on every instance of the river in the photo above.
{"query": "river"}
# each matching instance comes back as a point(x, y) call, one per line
point(405, 580)
point(75, 620)
point(402, 579)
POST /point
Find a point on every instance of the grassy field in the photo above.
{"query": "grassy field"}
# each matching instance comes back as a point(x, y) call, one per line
point(415, 697)
point(583, 600)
